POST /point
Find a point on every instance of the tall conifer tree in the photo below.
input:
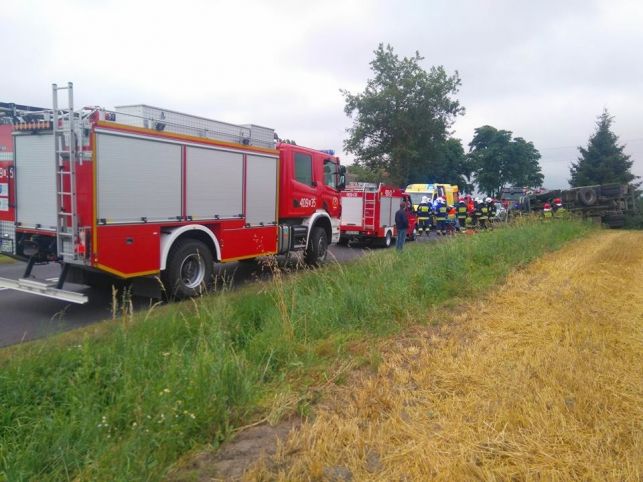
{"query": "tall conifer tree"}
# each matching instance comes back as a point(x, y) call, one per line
point(603, 160)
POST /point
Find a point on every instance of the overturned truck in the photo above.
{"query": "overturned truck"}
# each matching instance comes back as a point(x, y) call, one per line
point(605, 203)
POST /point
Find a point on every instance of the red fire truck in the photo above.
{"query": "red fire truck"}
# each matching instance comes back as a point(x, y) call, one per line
point(368, 213)
point(146, 192)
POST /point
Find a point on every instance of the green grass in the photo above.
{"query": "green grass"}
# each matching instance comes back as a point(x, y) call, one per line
point(124, 400)
point(5, 259)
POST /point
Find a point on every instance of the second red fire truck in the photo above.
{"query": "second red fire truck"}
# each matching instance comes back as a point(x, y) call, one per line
point(368, 213)
point(140, 191)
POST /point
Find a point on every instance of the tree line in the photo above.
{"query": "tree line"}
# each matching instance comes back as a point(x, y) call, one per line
point(401, 134)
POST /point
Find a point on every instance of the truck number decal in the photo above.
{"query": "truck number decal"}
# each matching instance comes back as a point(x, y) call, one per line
point(306, 202)
point(6, 172)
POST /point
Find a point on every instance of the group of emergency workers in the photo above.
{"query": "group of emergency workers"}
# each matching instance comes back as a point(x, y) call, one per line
point(555, 209)
point(467, 213)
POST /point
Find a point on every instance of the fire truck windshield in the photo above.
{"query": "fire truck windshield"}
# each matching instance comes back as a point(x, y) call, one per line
point(331, 174)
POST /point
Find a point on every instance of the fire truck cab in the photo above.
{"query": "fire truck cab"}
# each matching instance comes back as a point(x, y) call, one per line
point(143, 192)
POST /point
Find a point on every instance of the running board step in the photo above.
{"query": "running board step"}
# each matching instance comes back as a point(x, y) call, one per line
point(47, 289)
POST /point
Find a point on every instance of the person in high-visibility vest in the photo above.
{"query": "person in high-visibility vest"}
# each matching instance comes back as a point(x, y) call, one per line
point(462, 214)
point(471, 212)
point(441, 216)
point(424, 216)
point(452, 219)
point(547, 212)
point(559, 210)
point(482, 214)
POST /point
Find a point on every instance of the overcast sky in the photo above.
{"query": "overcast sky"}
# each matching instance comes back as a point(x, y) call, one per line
point(543, 70)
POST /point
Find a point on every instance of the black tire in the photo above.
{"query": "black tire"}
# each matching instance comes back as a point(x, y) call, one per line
point(587, 196)
point(189, 269)
point(388, 239)
point(317, 248)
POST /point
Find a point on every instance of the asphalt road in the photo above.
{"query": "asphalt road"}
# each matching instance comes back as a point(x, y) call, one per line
point(25, 317)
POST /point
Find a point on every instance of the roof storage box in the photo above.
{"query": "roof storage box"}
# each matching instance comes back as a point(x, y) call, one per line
point(166, 120)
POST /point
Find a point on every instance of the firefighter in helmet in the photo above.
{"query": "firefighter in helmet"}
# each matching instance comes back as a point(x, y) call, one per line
point(471, 212)
point(491, 205)
point(424, 216)
point(558, 209)
point(482, 214)
point(547, 211)
point(461, 208)
point(441, 215)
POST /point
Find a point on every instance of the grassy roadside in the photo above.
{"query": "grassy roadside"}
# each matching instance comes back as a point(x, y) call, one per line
point(5, 259)
point(126, 403)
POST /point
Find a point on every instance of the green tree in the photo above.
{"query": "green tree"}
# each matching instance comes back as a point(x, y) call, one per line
point(603, 161)
point(402, 118)
point(359, 173)
point(452, 167)
point(498, 160)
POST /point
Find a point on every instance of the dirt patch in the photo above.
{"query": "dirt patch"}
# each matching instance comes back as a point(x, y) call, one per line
point(231, 461)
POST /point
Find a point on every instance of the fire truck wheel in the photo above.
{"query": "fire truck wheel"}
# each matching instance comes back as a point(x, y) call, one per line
point(189, 269)
point(317, 247)
point(388, 240)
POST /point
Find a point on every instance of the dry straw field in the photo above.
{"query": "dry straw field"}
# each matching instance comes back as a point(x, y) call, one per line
point(541, 380)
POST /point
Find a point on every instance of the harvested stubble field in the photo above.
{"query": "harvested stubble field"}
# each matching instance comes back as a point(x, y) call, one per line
point(539, 381)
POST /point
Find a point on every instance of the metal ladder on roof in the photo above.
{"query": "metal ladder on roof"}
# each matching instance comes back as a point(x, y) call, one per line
point(67, 150)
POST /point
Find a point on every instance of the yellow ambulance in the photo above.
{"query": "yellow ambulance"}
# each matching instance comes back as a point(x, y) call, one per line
point(447, 191)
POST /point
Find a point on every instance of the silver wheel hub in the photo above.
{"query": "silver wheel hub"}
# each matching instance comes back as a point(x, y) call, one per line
point(192, 271)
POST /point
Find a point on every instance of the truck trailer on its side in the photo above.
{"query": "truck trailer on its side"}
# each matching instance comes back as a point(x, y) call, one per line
point(146, 192)
point(605, 203)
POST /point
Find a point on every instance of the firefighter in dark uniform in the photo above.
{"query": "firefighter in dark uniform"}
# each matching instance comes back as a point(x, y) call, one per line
point(441, 216)
point(462, 214)
point(482, 214)
point(424, 216)
point(491, 205)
